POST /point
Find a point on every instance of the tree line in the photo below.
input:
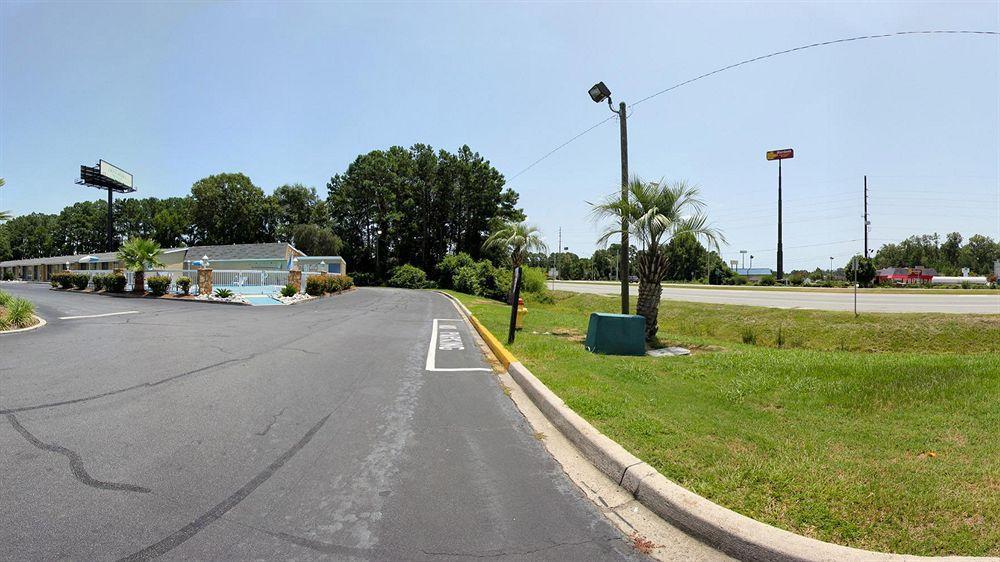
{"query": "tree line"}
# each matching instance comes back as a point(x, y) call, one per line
point(389, 207)
point(947, 256)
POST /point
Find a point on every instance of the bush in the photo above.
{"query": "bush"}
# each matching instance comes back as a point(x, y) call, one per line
point(223, 293)
point(20, 313)
point(315, 285)
point(8, 276)
point(533, 279)
point(81, 280)
point(796, 279)
point(466, 280)
point(5, 298)
point(449, 266)
point(184, 284)
point(767, 281)
point(115, 283)
point(63, 278)
point(408, 277)
point(337, 283)
point(158, 284)
point(98, 281)
point(286, 291)
point(364, 279)
point(491, 281)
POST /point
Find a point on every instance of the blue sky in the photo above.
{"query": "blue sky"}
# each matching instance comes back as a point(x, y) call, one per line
point(293, 92)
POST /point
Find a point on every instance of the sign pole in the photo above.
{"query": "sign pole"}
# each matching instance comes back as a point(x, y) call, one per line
point(781, 254)
point(516, 296)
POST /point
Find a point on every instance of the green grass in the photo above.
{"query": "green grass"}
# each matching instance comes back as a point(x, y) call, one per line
point(891, 446)
point(918, 290)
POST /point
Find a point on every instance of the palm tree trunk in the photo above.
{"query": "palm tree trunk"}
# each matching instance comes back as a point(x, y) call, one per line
point(139, 282)
point(652, 269)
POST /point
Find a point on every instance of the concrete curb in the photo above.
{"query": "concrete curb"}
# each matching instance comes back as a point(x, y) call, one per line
point(736, 535)
point(41, 322)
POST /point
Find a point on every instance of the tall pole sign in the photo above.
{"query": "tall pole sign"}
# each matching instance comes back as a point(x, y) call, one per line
point(780, 155)
point(107, 176)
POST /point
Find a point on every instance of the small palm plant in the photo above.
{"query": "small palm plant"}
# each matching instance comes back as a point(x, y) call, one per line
point(517, 239)
point(138, 255)
point(654, 214)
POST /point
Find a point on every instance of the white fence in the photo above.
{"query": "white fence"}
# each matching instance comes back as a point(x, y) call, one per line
point(266, 280)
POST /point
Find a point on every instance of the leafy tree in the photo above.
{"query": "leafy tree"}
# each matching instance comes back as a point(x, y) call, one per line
point(979, 254)
point(950, 252)
point(81, 228)
point(686, 258)
point(517, 240)
point(603, 263)
point(863, 267)
point(298, 204)
point(655, 213)
point(315, 240)
point(417, 206)
point(140, 254)
point(31, 236)
point(230, 209)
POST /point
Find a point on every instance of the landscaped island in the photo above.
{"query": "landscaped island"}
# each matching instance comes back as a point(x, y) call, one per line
point(877, 432)
point(16, 313)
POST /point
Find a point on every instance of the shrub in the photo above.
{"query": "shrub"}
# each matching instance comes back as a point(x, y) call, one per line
point(63, 278)
point(739, 280)
point(20, 313)
point(184, 284)
point(158, 284)
point(8, 276)
point(533, 279)
point(115, 283)
point(315, 286)
point(223, 293)
point(408, 277)
point(491, 285)
point(81, 280)
point(767, 280)
point(449, 266)
point(364, 279)
point(286, 291)
point(796, 279)
point(5, 298)
point(98, 281)
point(466, 280)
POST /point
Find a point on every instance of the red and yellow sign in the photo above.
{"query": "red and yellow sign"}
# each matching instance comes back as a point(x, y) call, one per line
point(780, 154)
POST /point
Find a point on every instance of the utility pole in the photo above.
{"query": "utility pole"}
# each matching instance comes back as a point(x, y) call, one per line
point(111, 225)
point(624, 270)
point(600, 92)
point(867, 222)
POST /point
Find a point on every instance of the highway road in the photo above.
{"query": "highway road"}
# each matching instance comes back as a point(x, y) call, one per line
point(364, 426)
point(986, 303)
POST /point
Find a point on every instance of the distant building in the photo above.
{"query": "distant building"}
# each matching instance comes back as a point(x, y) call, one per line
point(905, 275)
point(754, 274)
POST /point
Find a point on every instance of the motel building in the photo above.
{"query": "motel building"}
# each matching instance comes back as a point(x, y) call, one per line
point(271, 257)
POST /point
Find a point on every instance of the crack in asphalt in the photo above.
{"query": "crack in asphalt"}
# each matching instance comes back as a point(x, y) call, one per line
point(274, 419)
point(75, 461)
point(121, 390)
point(178, 537)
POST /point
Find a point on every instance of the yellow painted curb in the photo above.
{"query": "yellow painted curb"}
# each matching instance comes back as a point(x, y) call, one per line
point(505, 357)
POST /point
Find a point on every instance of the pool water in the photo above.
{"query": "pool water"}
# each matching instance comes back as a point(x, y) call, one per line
point(261, 300)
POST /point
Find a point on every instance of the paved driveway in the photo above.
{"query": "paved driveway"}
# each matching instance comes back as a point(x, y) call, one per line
point(321, 430)
point(986, 303)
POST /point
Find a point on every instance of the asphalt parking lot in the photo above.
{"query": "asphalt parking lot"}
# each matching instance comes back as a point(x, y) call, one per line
point(361, 426)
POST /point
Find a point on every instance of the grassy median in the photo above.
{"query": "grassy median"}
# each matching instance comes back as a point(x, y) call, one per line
point(879, 432)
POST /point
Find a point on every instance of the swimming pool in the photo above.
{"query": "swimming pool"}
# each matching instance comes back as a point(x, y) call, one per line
point(257, 295)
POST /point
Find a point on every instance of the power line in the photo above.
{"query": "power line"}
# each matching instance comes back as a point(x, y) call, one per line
point(748, 61)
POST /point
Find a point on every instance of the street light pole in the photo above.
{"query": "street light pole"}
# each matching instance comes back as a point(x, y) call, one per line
point(599, 92)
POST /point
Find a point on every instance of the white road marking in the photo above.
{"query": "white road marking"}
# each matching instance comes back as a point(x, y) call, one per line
point(99, 315)
point(450, 340)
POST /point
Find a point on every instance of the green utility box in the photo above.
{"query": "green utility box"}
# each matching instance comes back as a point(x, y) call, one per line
point(616, 334)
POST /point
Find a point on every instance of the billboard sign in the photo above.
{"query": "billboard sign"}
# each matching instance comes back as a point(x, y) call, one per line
point(780, 154)
point(115, 173)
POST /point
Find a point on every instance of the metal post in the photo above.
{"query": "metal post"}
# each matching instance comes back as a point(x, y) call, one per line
point(111, 219)
point(856, 265)
point(623, 268)
point(513, 306)
point(866, 216)
point(781, 270)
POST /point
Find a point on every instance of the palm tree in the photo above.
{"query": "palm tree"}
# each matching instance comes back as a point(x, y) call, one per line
point(4, 216)
point(655, 213)
point(139, 254)
point(517, 239)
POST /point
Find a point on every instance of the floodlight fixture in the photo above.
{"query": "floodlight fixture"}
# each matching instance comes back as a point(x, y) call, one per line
point(599, 92)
